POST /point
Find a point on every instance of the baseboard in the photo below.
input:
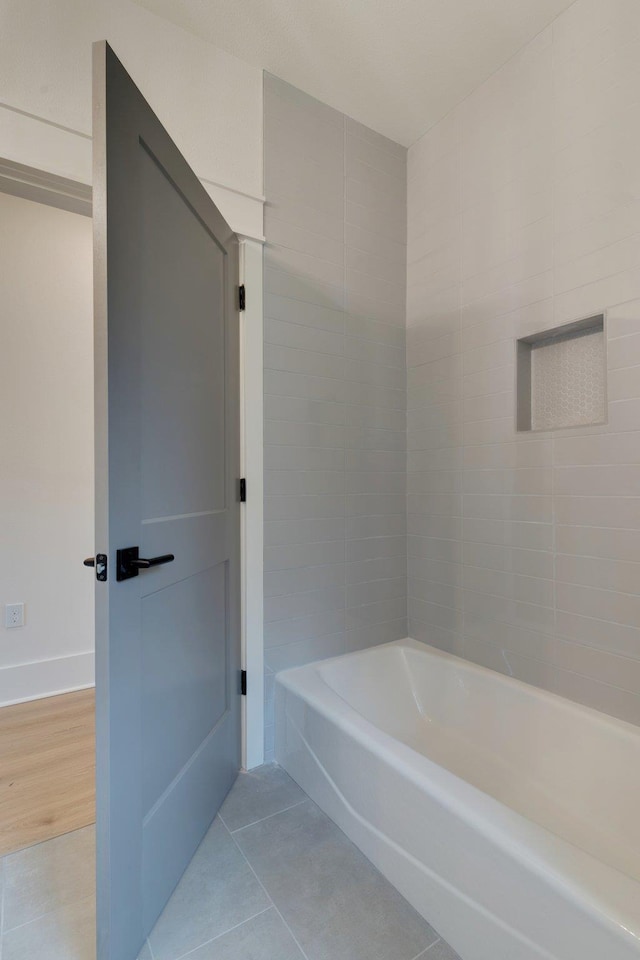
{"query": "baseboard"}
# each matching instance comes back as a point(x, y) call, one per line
point(46, 678)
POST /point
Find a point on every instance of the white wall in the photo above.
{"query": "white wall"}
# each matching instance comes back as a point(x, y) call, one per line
point(46, 448)
point(523, 215)
point(210, 101)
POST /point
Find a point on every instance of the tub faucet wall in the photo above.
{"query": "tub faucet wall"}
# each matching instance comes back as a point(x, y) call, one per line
point(524, 548)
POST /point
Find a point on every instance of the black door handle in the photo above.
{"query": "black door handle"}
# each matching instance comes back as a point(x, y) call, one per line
point(129, 564)
point(153, 562)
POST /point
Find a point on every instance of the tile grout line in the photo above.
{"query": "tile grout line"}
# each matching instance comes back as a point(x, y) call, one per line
point(335, 356)
point(224, 933)
point(248, 862)
point(426, 951)
point(47, 913)
point(369, 253)
point(268, 817)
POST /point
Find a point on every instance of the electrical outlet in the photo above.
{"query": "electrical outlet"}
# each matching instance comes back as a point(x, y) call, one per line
point(14, 615)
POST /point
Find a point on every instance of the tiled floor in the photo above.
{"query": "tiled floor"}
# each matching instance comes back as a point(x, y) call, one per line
point(48, 903)
point(274, 879)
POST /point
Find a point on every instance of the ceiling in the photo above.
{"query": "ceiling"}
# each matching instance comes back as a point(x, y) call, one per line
point(397, 66)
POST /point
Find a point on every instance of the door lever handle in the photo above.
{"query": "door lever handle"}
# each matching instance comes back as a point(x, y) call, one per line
point(129, 564)
point(153, 562)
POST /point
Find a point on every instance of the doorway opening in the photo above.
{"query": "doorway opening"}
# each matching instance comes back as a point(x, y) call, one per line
point(48, 504)
point(47, 739)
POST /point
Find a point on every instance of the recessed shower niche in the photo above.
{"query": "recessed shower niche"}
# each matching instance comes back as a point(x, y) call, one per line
point(561, 376)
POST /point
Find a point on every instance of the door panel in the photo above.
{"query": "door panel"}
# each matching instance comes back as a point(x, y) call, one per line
point(183, 401)
point(184, 690)
point(167, 459)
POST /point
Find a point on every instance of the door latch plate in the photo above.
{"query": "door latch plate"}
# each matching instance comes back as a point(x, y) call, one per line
point(101, 567)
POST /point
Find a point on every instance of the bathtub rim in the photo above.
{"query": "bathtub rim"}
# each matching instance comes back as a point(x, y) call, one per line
point(571, 871)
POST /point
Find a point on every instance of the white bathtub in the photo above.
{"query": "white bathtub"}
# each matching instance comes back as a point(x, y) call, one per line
point(508, 817)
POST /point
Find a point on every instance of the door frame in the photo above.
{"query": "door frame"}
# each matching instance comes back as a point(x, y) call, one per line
point(252, 514)
point(47, 186)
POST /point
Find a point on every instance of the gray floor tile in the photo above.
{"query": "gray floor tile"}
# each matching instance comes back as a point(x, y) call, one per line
point(47, 876)
point(263, 938)
point(258, 794)
point(335, 902)
point(64, 934)
point(440, 951)
point(217, 892)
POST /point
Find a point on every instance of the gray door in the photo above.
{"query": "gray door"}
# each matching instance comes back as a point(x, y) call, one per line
point(167, 455)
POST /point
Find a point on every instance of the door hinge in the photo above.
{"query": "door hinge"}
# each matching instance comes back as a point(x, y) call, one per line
point(243, 682)
point(242, 297)
point(243, 490)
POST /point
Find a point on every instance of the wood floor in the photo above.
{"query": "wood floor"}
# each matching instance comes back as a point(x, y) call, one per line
point(47, 769)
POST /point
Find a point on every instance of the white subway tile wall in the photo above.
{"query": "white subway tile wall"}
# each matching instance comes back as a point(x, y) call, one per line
point(335, 385)
point(523, 213)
